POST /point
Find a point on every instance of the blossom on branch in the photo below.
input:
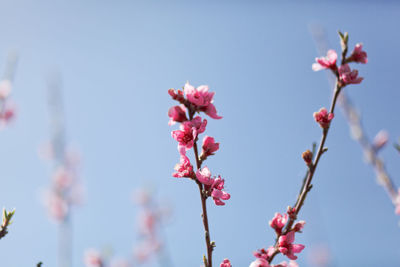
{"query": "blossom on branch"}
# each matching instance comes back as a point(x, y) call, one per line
point(323, 118)
point(226, 263)
point(213, 186)
point(328, 62)
point(348, 76)
point(287, 247)
point(358, 55)
point(202, 99)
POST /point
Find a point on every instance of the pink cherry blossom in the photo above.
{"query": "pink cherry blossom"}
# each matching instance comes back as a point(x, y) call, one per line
point(348, 76)
point(199, 124)
point(186, 135)
point(184, 168)
point(225, 263)
point(278, 222)
point(328, 62)
point(93, 258)
point(260, 263)
point(358, 55)
point(287, 247)
point(177, 114)
point(202, 99)
point(213, 186)
point(209, 147)
point(323, 118)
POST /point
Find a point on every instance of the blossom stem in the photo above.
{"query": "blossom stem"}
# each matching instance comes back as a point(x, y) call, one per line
point(208, 260)
point(307, 185)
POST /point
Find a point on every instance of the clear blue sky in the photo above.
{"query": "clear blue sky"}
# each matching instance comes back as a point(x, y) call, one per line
point(118, 58)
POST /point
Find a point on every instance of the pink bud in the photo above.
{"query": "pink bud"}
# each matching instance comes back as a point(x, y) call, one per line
point(323, 118)
point(328, 62)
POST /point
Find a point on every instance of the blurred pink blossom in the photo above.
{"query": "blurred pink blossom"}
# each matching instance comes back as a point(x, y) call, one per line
point(93, 258)
point(380, 140)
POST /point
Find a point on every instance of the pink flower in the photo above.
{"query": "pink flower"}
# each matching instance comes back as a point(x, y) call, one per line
point(209, 147)
point(278, 222)
point(177, 114)
point(93, 258)
point(184, 168)
point(348, 76)
point(178, 96)
point(62, 178)
point(287, 247)
point(358, 55)
point(328, 62)
point(201, 99)
point(323, 118)
point(226, 263)
point(260, 263)
point(213, 186)
point(186, 135)
point(199, 124)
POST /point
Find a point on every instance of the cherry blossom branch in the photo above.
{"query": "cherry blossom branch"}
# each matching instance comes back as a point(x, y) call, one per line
point(370, 149)
point(196, 100)
point(285, 228)
point(207, 261)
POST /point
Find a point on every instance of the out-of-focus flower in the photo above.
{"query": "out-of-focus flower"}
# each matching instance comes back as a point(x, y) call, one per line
point(5, 89)
point(93, 258)
point(348, 76)
point(328, 62)
point(323, 118)
point(380, 140)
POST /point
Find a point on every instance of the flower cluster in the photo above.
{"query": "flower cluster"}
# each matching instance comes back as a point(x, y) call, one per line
point(344, 74)
point(285, 241)
point(196, 100)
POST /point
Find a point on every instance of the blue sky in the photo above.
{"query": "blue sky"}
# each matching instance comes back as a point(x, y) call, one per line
point(117, 60)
